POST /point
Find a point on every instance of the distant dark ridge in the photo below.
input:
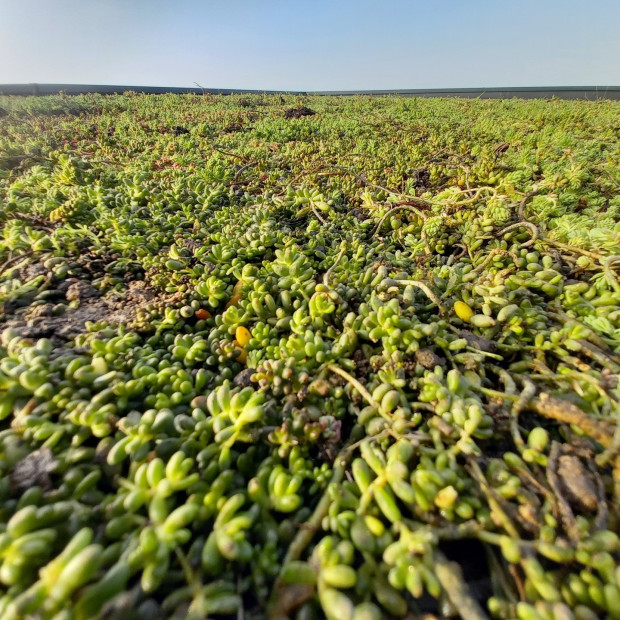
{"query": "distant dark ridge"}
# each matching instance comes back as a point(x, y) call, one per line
point(83, 89)
point(521, 92)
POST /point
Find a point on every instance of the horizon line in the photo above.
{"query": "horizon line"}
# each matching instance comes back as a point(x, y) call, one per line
point(46, 89)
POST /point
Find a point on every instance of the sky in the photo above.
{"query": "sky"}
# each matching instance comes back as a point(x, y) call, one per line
point(311, 44)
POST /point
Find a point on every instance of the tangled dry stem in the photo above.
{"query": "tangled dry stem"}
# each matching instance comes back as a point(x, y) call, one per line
point(489, 258)
point(425, 289)
point(568, 413)
point(531, 227)
point(451, 579)
point(402, 207)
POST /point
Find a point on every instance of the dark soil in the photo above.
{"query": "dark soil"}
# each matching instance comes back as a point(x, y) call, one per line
point(114, 309)
point(298, 112)
point(359, 215)
point(362, 365)
point(232, 128)
point(422, 179)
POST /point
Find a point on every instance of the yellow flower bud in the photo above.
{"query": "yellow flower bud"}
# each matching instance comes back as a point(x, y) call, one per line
point(463, 311)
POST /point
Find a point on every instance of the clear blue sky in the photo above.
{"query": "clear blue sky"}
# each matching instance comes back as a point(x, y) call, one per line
point(311, 44)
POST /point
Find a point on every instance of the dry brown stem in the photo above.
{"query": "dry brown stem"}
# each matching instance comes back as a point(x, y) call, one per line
point(568, 413)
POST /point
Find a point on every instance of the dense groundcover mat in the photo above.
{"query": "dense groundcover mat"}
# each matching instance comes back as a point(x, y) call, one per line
point(281, 357)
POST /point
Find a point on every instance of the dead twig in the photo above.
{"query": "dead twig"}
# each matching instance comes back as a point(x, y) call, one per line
point(451, 579)
point(246, 167)
point(423, 287)
point(571, 248)
point(355, 383)
point(566, 512)
point(531, 227)
point(495, 502)
point(228, 153)
point(329, 272)
point(14, 260)
point(410, 206)
point(524, 202)
point(528, 392)
point(568, 413)
point(489, 258)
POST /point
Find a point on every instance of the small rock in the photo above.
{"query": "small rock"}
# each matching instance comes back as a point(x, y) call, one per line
point(244, 378)
point(478, 342)
point(428, 359)
point(33, 470)
point(39, 311)
point(577, 483)
point(32, 271)
point(81, 290)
